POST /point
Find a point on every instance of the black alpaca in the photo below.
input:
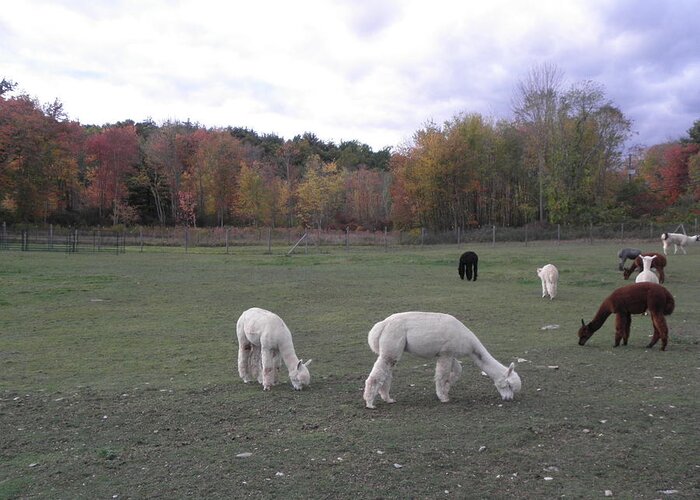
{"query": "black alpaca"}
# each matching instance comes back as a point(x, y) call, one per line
point(468, 264)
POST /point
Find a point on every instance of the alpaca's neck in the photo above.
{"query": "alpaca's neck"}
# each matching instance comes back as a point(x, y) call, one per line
point(288, 354)
point(647, 264)
point(483, 359)
point(599, 318)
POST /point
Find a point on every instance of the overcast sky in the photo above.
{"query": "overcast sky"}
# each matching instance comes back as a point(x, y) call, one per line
point(369, 70)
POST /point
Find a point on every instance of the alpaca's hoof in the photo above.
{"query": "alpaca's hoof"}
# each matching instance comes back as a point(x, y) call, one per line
point(390, 400)
point(370, 406)
point(266, 388)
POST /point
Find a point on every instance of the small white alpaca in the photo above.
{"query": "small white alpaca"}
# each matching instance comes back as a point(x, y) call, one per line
point(550, 277)
point(431, 335)
point(647, 275)
point(678, 240)
point(264, 341)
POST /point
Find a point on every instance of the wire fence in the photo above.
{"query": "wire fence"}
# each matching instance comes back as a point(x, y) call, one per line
point(224, 239)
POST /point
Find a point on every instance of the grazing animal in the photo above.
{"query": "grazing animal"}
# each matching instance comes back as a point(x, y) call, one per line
point(431, 335)
point(647, 275)
point(629, 300)
point(264, 341)
point(659, 263)
point(627, 253)
point(468, 265)
point(678, 240)
point(550, 277)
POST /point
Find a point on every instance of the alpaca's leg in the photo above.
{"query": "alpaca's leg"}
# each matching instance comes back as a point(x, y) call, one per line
point(469, 271)
point(683, 248)
point(626, 328)
point(544, 288)
point(276, 365)
point(244, 349)
point(443, 371)
point(660, 330)
point(552, 290)
point(268, 368)
point(386, 387)
point(476, 269)
point(619, 328)
point(462, 267)
point(255, 364)
point(380, 372)
point(454, 373)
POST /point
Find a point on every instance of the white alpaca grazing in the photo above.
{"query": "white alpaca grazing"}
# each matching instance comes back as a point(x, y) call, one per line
point(264, 341)
point(678, 240)
point(431, 335)
point(647, 275)
point(550, 277)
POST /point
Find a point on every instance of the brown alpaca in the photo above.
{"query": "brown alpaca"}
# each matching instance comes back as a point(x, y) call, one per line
point(629, 300)
point(658, 263)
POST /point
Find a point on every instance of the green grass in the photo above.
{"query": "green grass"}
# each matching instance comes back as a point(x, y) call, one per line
point(118, 377)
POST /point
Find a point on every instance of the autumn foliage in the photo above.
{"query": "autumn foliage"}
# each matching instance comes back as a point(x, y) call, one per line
point(466, 172)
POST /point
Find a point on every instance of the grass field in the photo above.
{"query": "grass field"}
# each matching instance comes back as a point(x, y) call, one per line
point(118, 378)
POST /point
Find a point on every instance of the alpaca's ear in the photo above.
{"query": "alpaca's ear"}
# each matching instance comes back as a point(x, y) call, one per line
point(583, 323)
point(299, 364)
point(308, 362)
point(510, 369)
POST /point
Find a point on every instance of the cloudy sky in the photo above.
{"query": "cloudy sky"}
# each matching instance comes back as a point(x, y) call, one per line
point(369, 70)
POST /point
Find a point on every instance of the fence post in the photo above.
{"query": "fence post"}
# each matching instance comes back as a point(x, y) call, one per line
point(622, 232)
point(187, 239)
point(422, 235)
point(227, 231)
point(590, 232)
point(75, 241)
point(558, 234)
point(269, 240)
point(459, 236)
point(50, 236)
point(493, 236)
point(347, 236)
point(386, 242)
point(141, 238)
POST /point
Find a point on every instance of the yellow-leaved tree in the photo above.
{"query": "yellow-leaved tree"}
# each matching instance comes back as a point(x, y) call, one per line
point(320, 193)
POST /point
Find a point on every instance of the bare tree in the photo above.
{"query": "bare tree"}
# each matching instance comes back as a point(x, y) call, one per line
point(535, 105)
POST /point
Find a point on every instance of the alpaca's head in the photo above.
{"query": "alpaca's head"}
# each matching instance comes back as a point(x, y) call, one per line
point(300, 376)
point(509, 384)
point(584, 333)
point(539, 272)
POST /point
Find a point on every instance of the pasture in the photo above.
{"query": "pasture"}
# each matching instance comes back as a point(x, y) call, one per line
point(118, 378)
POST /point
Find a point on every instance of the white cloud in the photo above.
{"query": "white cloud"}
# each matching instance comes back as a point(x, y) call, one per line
point(374, 71)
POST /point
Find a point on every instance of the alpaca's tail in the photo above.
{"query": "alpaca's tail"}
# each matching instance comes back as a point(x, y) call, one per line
point(670, 304)
point(374, 335)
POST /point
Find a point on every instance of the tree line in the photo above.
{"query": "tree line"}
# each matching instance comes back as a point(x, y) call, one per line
point(560, 159)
